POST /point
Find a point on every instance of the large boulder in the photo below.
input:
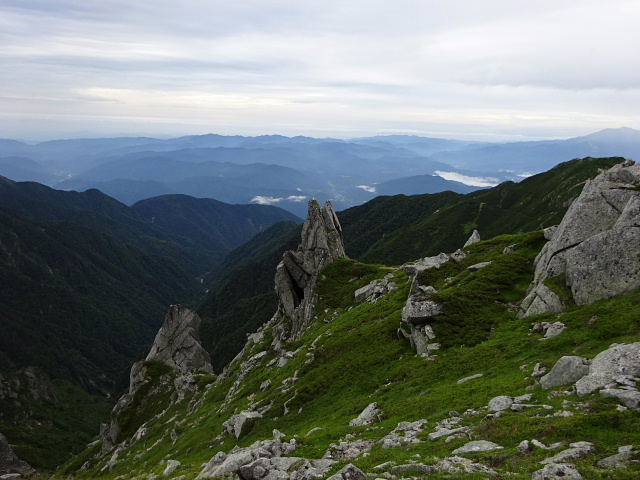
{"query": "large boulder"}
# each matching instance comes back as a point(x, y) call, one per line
point(609, 365)
point(595, 246)
point(567, 370)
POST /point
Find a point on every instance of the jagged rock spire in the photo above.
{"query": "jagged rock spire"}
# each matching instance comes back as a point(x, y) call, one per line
point(296, 275)
point(177, 343)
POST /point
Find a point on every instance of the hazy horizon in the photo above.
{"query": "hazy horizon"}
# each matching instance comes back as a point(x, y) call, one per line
point(472, 70)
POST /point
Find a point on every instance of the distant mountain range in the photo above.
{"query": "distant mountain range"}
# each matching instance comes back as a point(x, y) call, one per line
point(287, 171)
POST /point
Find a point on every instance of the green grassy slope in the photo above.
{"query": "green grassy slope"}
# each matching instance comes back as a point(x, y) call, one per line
point(534, 203)
point(352, 356)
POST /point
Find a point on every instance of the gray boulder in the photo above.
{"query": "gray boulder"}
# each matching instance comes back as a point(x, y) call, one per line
point(623, 359)
point(367, 417)
point(242, 423)
point(594, 244)
point(349, 472)
point(621, 460)
point(576, 450)
point(629, 398)
point(478, 446)
point(567, 370)
point(557, 471)
point(9, 462)
point(497, 404)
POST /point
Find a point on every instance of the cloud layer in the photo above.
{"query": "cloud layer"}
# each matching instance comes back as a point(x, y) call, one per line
point(487, 69)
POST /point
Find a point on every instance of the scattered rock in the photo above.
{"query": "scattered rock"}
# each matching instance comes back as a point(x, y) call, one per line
point(567, 370)
point(172, 466)
point(478, 446)
point(466, 379)
point(498, 404)
point(367, 417)
point(406, 433)
point(349, 472)
point(478, 266)
point(222, 464)
point(348, 450)
point(524, 447)
point(242, 423)
point(376, 289)
point(557, 471)
point(621, 460)
point(575, 451)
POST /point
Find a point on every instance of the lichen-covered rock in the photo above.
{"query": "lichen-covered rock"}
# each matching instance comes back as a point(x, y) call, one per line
point(596, 244)
point(296, 275)
point(568, 369)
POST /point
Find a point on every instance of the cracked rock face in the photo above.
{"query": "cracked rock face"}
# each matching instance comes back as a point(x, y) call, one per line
point(177, 344)
point(596, 246)
point(296, 275)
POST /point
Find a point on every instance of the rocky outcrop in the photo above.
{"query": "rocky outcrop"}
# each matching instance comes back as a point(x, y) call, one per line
point(265, 459)
point(9, 462)
point(595, 247)
point(418, 312)
point(28, 383)
point(177, 344)
point(296, 275)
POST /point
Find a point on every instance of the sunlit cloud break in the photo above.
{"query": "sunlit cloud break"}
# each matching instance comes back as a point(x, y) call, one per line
point(262, 200)
point(367, 188)
point(471, 181)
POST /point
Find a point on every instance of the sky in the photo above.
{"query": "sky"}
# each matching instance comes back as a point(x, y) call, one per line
point(495, 70)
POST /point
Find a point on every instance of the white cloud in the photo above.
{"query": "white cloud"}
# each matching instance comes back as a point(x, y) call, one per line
point(471, 181)
point(261, 200)
point(367, 188)
point(297, 198)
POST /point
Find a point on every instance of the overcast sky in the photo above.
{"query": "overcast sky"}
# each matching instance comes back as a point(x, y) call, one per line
point(481, 69)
